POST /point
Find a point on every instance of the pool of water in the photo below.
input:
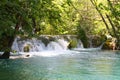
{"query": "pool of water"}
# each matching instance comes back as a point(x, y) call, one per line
point(93, 65)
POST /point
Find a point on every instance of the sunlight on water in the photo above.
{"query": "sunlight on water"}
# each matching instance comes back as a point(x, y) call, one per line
point(69, 65)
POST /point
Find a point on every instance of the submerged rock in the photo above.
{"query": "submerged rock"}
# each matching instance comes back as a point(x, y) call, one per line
point(27, 55)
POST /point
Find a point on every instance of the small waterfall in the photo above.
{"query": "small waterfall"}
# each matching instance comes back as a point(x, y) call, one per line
point(90, 49)
point(80, 45)
point(44, 42)
point(37, 45)
point(54, 46)
point(15, 45)
point(63, 43)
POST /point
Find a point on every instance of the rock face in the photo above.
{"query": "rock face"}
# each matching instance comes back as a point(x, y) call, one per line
point(96, 40)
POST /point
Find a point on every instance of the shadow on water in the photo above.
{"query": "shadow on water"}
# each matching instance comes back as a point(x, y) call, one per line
point(21, 69)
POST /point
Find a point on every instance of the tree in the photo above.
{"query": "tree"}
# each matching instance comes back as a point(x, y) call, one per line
point(20, 16)
point(111, 10)
point(114, 19)
point(89, 22)
point(10, 22)
point(94, 2)
point(31, 17)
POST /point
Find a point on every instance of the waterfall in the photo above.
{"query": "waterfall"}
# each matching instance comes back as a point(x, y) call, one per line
point(44, 42)
point(63, 43)
point(54, 46)
point(90, 49)
point(80, 45)
point(47, 46)
point(15, 45)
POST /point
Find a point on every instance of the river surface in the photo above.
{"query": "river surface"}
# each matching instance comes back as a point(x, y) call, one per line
point(85, 65)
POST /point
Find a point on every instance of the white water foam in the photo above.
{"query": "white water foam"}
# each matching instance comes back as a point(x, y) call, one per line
point(87, 49)
point(47, 53)
point(36, 45)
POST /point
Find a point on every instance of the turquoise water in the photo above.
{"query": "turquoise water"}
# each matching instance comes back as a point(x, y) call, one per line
point(98, 65)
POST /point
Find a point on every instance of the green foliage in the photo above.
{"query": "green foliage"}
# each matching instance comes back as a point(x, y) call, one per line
point(82, 36)
point(36, 17)
point(72, 44)
point(27, 48)
point(40, 17)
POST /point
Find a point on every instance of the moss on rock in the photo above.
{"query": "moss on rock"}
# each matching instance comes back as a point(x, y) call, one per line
point(72, 44)
point(26, 48)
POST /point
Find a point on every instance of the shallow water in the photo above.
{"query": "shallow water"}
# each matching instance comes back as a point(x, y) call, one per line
point(92, 65)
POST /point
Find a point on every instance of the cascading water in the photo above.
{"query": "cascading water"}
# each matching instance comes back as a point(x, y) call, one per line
point(45, 45)
point(48, 45)
point(54, 46)
point(36, 45)
point(15, 45)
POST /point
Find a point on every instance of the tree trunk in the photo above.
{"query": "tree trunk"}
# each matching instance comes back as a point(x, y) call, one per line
point(94, 4)
point(6, 54)
point(10, 40)
point(112, 9)
point(113, 27)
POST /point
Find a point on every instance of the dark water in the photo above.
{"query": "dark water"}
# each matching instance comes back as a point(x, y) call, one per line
point(99, 65)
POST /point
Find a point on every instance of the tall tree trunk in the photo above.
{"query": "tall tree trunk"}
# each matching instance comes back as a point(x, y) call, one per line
point(94, 4)
point(116, 22)
point(112, 9)
point(113, 12)
point(113, 27)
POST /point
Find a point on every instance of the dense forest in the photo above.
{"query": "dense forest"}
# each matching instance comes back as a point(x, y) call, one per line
point(95, 20)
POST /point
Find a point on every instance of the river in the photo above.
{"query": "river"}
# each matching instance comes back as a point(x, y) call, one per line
point(66, 65)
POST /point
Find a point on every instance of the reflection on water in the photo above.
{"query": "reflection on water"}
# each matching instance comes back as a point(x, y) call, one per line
point(102, 65)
